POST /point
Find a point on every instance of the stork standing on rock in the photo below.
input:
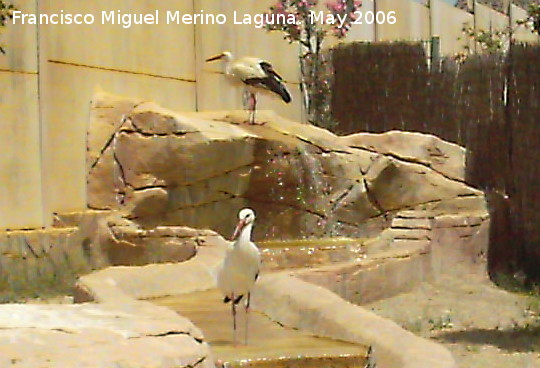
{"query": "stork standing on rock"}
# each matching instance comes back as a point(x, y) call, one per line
point(240, 268)
point(256, 74)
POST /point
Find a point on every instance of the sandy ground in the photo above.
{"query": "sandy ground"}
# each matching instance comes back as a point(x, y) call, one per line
point(482, 325)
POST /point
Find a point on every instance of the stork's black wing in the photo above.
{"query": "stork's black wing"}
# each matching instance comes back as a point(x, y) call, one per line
point(272, 82)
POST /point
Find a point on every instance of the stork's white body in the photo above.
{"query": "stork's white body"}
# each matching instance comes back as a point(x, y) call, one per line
point(255, 74)
point(240, 268)
point(245, 68)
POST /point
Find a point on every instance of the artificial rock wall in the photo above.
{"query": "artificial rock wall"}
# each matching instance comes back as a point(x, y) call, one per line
point(161, 167)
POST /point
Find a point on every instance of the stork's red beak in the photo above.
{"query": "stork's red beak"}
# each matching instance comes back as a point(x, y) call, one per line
point(238, 230)
point(213, 58)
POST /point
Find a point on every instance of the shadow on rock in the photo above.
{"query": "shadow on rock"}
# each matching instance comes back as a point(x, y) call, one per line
point(518, 339)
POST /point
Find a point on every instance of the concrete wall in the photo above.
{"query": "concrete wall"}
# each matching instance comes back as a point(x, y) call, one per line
point(491, 20)
point(20, 158)
point(412, 21)
point(214, 91)
point(364, 31)
point(521, 34)
point(448, 23)
point(152, 62)
point(45, 95)
point(51, 72)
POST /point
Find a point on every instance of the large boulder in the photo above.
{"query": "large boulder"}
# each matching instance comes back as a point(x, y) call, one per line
point(125, 243)
point(41, 261)
point(199, 169)
point(445, 157)
point(135, 335)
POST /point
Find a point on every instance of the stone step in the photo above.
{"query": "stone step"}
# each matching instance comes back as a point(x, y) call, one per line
point(412, 234)
point(74, 219)
point(411, 223)
point(307, 361)
point(270, 344)
point(448, 221)
point(278, 255)
point(415, 214)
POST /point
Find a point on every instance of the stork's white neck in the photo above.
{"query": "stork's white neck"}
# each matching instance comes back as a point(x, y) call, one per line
point(245, 234)
point(227, 58)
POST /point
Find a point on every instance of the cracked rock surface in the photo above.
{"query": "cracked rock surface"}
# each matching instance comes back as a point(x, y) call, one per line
point(99, 335)
point(125, 243)
point(196, 169)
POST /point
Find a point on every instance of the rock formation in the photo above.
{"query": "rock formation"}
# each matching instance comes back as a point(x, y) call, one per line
point(197, 169)
point(137, 334)
point(153, 172)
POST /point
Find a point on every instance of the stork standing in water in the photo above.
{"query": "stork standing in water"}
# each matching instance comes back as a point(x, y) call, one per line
point(256, 74)
point(240, 268)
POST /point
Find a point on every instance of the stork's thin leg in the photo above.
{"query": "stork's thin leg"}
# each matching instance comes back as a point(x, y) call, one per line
point(253, 107)
point(247, 318)
point(233, 306)
point(246, 96)
point(250, 117)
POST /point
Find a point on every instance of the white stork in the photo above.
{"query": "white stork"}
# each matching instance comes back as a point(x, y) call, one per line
point(240, 268)
point(256, 74)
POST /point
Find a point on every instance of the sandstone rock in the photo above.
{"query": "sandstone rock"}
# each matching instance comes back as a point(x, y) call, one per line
point(199, 169)
point(179, 232)
point(122, 284)
point(153, 119)
point(444, 157)
point(148, 205)
point(302, 305)
point(397, 184)
point(470, 204)
point(124, 242)
point(107, 335)
point(107, 115)
point(460, 242)
point(74, 219)
point(459, 220)
point(409, 234)
point(104, 183)
point(44, 260)
point(411, 223)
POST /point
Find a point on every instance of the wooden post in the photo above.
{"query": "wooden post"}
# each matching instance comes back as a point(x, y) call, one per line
point(474, 26)
point(375, 28)
point(435, 51)
point(430, 7)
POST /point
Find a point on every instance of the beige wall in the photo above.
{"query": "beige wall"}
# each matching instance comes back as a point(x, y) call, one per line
point(521, 33)
point(43, 147)
point(364, 31)
point(151, 62)
point(488, 19)
point(20, 158)
point(214, 89)
point(412, 21)
point(45, 95)
point(447, 23)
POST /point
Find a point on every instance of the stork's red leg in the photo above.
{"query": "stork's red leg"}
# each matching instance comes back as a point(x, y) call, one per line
point(253, 107)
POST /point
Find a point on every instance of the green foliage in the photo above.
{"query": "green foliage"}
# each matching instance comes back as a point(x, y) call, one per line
point(517, 283)
point(493, 41)
point(533, 18)
point(315, 64)
point(488, 41)
point(441, 323)
point(6, 14)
